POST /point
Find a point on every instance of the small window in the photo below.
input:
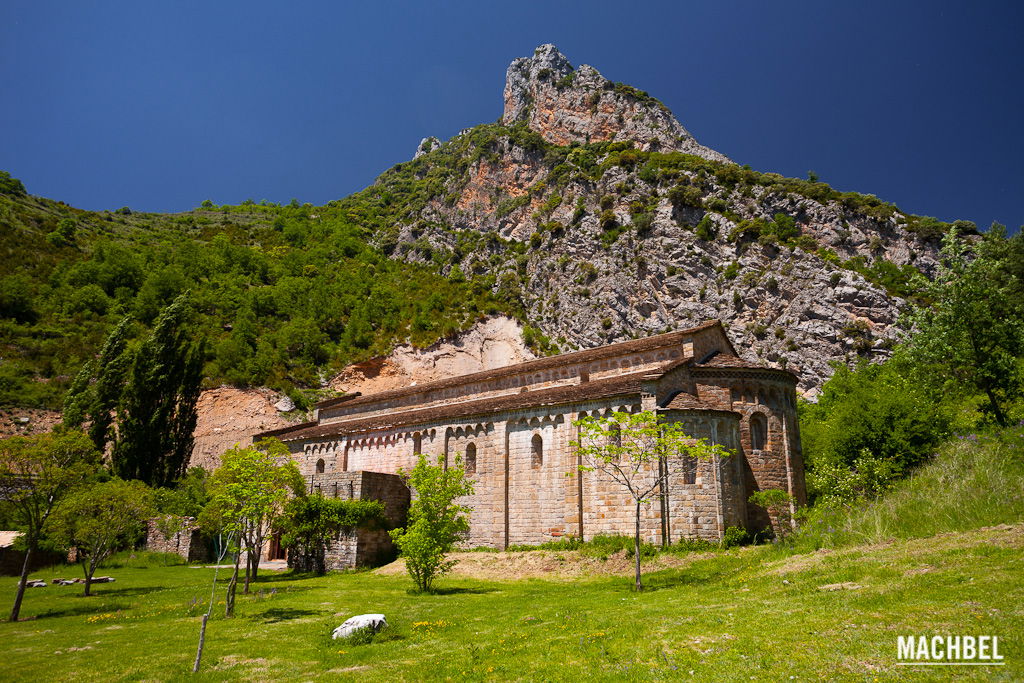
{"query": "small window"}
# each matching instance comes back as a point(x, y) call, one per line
point(417, 443)
point(758, 432)
point(615, 436)
point(689, 467)
point(320, 466)
point(471, 458)
point(334, 490)
point(537, 451)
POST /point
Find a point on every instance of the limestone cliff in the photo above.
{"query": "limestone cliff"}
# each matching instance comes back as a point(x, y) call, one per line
point(594, 208)
point(567, 105)
point(491, 343)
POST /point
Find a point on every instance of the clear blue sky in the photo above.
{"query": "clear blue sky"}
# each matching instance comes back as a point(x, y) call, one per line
point(160, 105)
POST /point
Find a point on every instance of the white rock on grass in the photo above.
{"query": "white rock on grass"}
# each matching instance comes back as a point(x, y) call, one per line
point(371, 621)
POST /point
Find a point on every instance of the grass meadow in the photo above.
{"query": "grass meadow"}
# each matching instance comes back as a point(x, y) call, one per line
point(753, 613)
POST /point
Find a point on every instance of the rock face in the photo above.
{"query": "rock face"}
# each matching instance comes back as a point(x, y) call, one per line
point(602, 244)
point(492, 343)
point(230, 416)
point(568, 105)
point(27, 421)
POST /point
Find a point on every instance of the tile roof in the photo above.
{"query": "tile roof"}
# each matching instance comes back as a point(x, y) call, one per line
point(601, 388)
point(685, 401)
point(586, 355)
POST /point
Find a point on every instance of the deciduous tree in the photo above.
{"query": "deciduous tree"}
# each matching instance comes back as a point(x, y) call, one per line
point(101, 519)
point(247, 493)
point(36, 474)
point(157, 412)
point(640, 453)
point(970, 333)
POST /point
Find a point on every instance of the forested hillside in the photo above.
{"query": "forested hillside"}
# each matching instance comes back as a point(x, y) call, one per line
point(285, 294)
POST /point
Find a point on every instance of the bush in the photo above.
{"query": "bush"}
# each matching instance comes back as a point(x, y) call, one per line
point(436, 523)
point(706, 229)
point(10, 185)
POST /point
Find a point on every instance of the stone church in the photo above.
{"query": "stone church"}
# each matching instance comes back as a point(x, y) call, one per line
point(513, 428)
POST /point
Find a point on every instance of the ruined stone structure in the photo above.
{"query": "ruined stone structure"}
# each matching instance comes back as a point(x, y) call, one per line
point(513, 427)
point(361, 547)
point(186, 542)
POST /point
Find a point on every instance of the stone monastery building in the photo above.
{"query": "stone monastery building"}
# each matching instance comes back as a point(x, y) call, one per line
point(513, 427)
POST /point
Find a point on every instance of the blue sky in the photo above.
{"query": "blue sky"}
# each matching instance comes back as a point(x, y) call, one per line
point(160, 105)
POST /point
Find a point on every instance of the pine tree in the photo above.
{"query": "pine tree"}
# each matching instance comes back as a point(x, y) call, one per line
point(157, 412)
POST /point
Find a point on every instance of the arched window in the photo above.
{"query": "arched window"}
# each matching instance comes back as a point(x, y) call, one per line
point(689, 469)
point(615, 436)
point(417, 443)
point(320, 466)
point(536, 451)
point(758, 432)
point(471, 458)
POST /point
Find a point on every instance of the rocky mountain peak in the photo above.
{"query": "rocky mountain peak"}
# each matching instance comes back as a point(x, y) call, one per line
point(566, 105)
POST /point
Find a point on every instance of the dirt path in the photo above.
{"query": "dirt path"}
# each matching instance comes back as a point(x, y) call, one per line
point(553, 565)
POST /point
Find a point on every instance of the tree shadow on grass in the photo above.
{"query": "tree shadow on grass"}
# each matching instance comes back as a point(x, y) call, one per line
point(697, 574)
point(460, 591)
point(99, 590)
point(84, 609)
point(278, 614)
point(278, 576)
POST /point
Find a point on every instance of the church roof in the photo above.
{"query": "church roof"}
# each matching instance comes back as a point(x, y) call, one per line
point(585, 356)
point(685, 401)
point(620, 385)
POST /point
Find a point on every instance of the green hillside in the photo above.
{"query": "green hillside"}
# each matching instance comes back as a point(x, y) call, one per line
point(284, 293)
point(288, 294)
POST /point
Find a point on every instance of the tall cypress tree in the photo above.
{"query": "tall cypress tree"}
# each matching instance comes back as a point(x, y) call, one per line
point(157, 413)
point(97, 388)
point(111, 369)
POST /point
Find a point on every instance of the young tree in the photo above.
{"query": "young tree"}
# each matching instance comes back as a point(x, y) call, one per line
point(970, 334)
point(100, 519)
point(157, 412)
point(36, 474)
point(309, 523)
point(640, 454)
point(436, 523)
point(247, 494)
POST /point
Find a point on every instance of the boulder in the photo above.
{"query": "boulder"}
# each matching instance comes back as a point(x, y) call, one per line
point(376, 622)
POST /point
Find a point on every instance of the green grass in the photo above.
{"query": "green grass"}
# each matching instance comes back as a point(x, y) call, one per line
point(974, 480)
point(751, 613)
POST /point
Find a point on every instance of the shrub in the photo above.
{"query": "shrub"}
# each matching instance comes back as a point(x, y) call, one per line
point(436, 523)
point(706, 229)
point(10, 185)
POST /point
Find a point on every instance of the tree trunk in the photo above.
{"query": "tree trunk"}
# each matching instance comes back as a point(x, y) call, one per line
point(248, 571)
point(202, 641)
point(229, 602)
point(636, 548)
point(996, 410)
point(20, 595)
point(89, 569)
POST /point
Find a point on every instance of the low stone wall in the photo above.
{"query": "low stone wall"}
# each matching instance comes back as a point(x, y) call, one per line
point(188, 542)
point(362, 548)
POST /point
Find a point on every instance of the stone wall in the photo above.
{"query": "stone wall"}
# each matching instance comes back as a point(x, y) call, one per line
point(188, 543)
point(363, 547)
